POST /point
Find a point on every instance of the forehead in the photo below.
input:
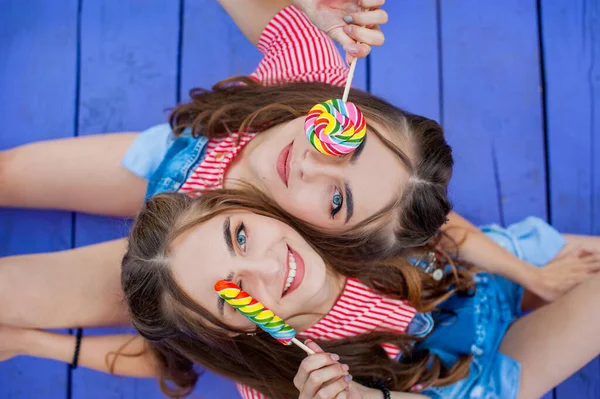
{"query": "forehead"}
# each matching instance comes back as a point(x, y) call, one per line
point(193, 258)
point(378, 176)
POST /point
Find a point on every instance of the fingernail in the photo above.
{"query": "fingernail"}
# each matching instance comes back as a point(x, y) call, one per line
point(351, 49)
point(348, 378)
point(345, 367)
point(335, 357)
point(348, 19)
point(308, 341)
point(348, 29)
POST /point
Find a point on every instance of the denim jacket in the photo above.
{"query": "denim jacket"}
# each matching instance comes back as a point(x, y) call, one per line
point(183, 156)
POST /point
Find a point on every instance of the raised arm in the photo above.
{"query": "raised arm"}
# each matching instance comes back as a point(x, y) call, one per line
point(344, 20)
point(251, 16)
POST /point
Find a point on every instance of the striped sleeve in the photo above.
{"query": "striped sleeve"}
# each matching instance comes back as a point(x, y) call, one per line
point(249, 393)
point(296, 51)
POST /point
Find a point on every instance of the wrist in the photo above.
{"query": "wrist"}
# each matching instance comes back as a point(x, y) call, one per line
point(49, 345)
point(30, 342)
point(370, 393)
point(528, 276)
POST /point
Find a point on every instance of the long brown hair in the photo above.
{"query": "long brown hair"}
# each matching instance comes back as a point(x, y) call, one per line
point(182, 333)
point(242, 104)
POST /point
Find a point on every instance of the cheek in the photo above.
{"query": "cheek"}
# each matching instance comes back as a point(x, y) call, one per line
point(306, 206)
point(241, 322)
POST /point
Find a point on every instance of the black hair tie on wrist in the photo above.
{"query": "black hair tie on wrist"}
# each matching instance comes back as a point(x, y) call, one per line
point(77, 346)
point(381, 386)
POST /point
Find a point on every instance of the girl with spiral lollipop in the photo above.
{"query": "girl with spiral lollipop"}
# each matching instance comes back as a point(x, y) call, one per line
point(388, 330)
point(252, 130)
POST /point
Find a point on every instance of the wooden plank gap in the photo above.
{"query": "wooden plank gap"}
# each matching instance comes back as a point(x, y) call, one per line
point(180, 49)
point(544, 111)
point(497, 181)
point(69, 390)
point(440, 65)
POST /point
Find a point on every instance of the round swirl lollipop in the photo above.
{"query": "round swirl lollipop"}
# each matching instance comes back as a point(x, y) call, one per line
point(335, 127)
point(257, 313)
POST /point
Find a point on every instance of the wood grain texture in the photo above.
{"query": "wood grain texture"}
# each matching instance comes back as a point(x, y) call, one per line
point(38, 42)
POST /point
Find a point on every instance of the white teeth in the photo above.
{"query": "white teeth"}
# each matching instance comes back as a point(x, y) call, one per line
point(292, 274)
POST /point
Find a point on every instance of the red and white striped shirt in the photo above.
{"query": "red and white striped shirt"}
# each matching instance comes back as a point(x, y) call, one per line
point(210, 173)
point(294, 51)
point(358, 311)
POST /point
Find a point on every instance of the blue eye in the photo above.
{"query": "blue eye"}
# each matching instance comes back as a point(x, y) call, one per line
point(241, 236)
point(336, 202)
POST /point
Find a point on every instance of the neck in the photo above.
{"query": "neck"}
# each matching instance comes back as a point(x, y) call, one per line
point(239, 169)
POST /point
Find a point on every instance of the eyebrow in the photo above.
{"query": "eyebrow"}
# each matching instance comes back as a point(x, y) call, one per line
point(227, 235)
point(221, 301)
point(358, 151)
point(349, 201)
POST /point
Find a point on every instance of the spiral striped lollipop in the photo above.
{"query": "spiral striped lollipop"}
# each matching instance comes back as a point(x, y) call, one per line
point(255, 311)
point(335, 127)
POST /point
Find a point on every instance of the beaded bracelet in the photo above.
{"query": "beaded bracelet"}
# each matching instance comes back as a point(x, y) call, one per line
point(77, 346)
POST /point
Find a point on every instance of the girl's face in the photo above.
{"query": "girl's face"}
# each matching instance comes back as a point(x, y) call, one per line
point(265, 257)
point(330, 192)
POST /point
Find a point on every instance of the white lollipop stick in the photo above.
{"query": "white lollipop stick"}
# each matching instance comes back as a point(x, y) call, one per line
point(303, 347)
point(349, 80)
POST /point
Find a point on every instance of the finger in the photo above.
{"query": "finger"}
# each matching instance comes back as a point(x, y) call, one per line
point(358, 50)
point(365, 18)
point(339, 35)
point(371, 3)
point(334, 388)
point(588, 263)
point(314, 346)
point(318, 379)
point(312, 363)
point(364, 35)
point(349, 59)
point(342, 395)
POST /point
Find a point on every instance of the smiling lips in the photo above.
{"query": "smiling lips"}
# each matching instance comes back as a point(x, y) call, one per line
point(283, 163)
point(294, 272)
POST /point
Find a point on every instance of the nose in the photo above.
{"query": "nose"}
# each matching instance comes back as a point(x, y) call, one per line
point(262, 272)
point(315, 165)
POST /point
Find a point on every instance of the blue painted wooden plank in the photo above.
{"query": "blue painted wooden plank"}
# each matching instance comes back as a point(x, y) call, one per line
point(405, 69)
point(213, 47)
point(128, 79)
point(571, 38)
point(571, 48)
point(38, 43)
point(492, 108)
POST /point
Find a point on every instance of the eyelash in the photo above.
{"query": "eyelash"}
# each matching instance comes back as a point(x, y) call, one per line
point(241, 227)
point(336, 208)
point(238, 230)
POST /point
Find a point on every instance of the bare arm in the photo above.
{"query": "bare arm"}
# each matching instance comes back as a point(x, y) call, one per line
point(97, 353)
point(547, 283)
point(483, 252)
point(251, 16)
